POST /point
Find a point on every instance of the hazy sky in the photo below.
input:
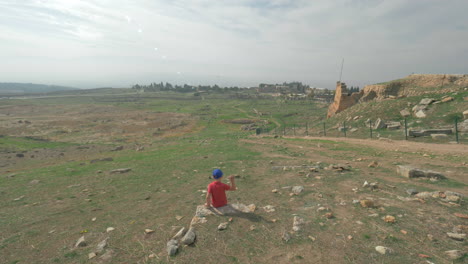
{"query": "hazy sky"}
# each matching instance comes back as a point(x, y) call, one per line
point(229, 42)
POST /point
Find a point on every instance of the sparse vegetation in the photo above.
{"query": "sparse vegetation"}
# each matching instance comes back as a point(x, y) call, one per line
point(42, 220)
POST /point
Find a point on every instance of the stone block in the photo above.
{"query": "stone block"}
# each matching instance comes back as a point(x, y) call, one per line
point(412, 172)
point(420, 114)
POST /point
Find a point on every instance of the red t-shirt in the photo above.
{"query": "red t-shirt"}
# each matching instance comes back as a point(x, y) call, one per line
point(218, 193)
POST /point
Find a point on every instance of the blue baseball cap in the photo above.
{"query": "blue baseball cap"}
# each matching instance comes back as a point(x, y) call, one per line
point(217, 173)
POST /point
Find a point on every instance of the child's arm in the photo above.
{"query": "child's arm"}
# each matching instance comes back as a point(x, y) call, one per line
point(233, 183)
point(208, 200)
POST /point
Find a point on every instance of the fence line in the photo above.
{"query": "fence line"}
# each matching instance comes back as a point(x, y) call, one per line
point(342, 130)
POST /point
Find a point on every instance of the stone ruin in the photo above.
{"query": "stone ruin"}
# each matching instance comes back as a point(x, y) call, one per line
point(343, 99)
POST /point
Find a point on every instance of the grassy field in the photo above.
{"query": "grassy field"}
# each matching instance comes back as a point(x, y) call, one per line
point(58, 192)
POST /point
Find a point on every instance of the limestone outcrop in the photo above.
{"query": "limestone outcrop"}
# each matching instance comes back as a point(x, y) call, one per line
point(412, 85)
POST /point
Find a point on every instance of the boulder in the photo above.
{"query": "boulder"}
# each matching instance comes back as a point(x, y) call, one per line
point(172, 246)
point(189, 237)
point(412, 191)
point(412, 172)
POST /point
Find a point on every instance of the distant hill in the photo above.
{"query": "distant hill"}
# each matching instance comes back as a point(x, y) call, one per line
point(22, 88)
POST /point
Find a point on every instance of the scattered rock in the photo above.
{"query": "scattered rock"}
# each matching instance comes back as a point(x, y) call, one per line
point(424, 195)
point(465, 114)
point(20, 155)
point(101, 246)
point(329, 215)
point(124, 170)
point(103, 159)
point(91, 255)
point(81, 242)
point(383, 250)
point(367, 203)
point(286, 236)
point(179, 234)
point(460, 229)
point(456, 236)
point(389, 219)
point(411, 191)
point(412, 172)
point(149, 231)
point(274, 190)
point(34, 182)
point(269, 208)
point(189, 237)
point(178, 217)
point(426, 101)
point(297, 189)
point(339, 167)
point(19, 198)
point(453, 198)
point(252, 227)
point(172, 247)
point(107, 256)
point(373, 164)
point(447, 99)
point(454, 254)
point(297, 223)
point(118, 148)
point(465, 216)
point(110, 229)
point(223, 226)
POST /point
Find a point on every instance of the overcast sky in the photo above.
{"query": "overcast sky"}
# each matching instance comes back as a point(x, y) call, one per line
point(229, 42)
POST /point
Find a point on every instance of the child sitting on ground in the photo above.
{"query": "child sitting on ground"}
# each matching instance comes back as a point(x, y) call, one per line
point(216, 195)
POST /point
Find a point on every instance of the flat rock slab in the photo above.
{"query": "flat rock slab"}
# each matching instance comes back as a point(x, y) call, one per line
point(412, 172)
point(429, 132)
point(124, 170)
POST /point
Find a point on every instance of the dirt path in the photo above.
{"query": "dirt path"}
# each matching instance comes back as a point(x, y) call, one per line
point(405, 146)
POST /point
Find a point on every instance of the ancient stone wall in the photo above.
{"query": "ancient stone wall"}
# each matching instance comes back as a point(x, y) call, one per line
point(343, 99)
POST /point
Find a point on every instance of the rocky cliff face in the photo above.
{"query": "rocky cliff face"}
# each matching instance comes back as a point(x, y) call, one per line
point(415, 84)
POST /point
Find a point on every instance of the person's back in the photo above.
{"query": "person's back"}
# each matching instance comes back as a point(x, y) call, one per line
point(216, 195)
